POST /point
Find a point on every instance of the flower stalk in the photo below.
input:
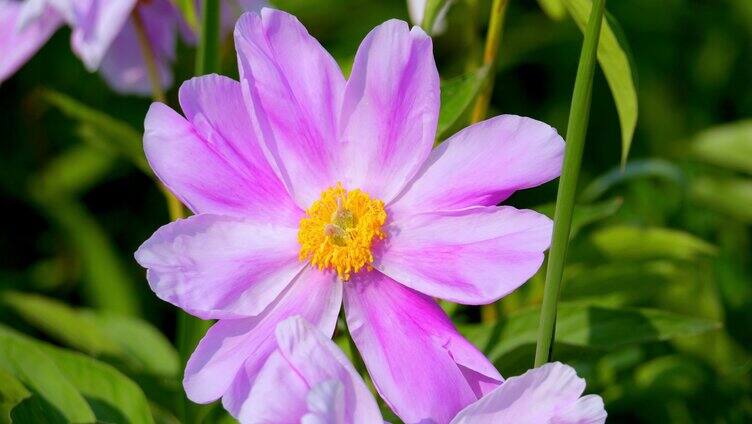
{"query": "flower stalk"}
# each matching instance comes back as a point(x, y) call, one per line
point(575, 142)
point(490, 57)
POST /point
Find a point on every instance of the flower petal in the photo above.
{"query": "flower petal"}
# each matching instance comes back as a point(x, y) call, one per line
point(123, 66)
point(295, 89)
point(548, 394)
point(96, 24)
point(418, 361)
point(18, 43)
point(471, 256)
point(390, 109)
point(326, 403)
point(220, 267)
point(484, 164)
point(212, 161)
point(238, 346)
point(314, 359)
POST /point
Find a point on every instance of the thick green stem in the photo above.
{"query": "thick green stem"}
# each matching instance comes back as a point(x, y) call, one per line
point(433, 7)
point(576, 130)
point(490, 57)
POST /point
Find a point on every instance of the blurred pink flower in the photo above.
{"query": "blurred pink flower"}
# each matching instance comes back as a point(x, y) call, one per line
point(310, 190)
point(307, 379)
point(103, 35)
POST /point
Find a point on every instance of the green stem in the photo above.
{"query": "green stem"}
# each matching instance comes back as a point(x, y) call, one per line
point(490, 57)
point(190, 330)
point(207, 57)
point(431, 12)
point(576, 129)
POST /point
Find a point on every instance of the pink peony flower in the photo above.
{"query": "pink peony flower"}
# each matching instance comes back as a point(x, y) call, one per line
point(310, 190)
point(307, 379)
point(103, 35)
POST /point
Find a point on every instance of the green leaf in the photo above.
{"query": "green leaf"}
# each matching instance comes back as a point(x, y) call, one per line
point(591, 327)
point(129, 340)
point(74, 171)
point(729, 196)
point(12, 392)
point(22, 357)
point(643, 243)
point(553, 8)
point(457, 95)
point(728, 146)
point(636, 169)
point(122, 137)
point(614, 60)
point(112, 396)
point(585, 215)
point(106, 283)
point(621, 279)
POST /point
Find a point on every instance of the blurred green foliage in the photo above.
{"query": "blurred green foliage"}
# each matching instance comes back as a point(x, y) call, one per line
point(657, 297)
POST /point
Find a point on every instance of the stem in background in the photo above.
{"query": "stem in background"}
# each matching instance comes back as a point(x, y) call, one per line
point(190, 330)
point(576, 128)
point(207, 57)
point(490, 313)
point(174, 207)
point(490, 57)
point(433, 7)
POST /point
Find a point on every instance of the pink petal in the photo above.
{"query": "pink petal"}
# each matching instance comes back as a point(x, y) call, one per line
point(212, 161)
point(470, 256)
point(18, 43)
point(390, 109)
point(238, 346)
point(549, 394)
point(326, 405)
point(220, 267)
point(123, 66)
point(96, 24)
point(418, 362)
point(295, 87)
point(484, 164)
point(314, 359)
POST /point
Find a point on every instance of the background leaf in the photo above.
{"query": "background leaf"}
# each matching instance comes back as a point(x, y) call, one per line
point(728, 146)
point(457, 95)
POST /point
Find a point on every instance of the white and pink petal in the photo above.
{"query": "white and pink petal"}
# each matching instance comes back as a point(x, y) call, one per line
point(230, 356)
point(470, 256)
point(484, 164)
point(390, 110)
point(424, 369)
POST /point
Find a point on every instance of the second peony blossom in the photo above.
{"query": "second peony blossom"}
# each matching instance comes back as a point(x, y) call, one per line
point(310, 190)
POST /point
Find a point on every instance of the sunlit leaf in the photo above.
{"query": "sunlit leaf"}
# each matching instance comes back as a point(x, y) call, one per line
point(74, 171)
point(128, 340)
point(614, 61)
point(12, 392)
point(457, 95)
point(122, 137)
point(641, 243)
point(591, 327)
point(22, 357)
point(729, 146)
point(729, 196)
point(553, 8)
point(112, 396)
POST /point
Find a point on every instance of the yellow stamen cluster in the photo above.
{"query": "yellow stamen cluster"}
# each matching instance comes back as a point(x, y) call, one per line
point(339, 230)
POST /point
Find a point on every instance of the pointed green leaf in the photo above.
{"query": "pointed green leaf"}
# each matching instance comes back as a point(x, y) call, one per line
point(729, 196)
point(553, 8)
point(592, 327)
point(113, 397)
point(729, 146)
point(614, 61)
point(643, 243)
point(21, 357)
point(457, 96)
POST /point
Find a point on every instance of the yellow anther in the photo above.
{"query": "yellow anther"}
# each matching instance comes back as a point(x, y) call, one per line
point(339, 230)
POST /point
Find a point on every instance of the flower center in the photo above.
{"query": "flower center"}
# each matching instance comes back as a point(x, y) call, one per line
point(339, 230)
